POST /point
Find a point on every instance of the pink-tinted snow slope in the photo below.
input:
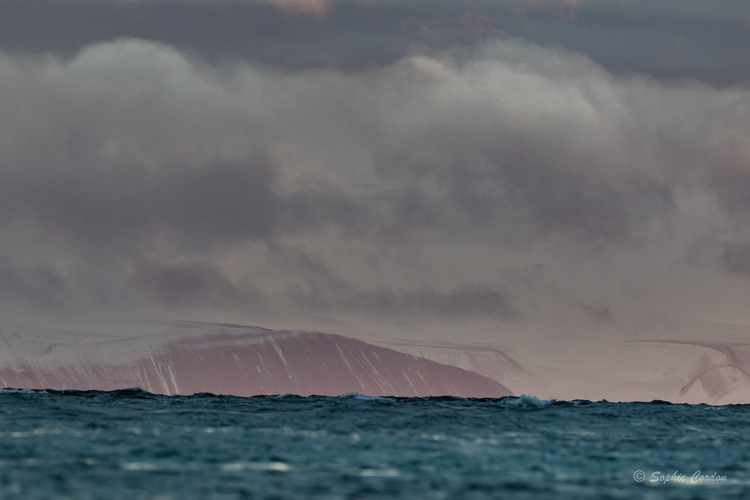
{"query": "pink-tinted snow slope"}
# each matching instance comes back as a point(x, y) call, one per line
point(243, 361)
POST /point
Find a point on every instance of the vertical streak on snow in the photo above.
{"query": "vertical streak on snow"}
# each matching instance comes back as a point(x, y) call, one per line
point(174, 381)
point(361, 384)
point(455, 391)
point(158, 373)
point(412, 385)
point(386, 370)
point(372, 367)
point(365, 387)
point(144, 378)
point(264, 365)
point(281, 355)
point(374, 372)
point(428, 385)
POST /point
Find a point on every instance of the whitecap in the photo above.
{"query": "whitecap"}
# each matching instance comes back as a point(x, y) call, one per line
point(379, 473)
point(259, 466)
point(356, 395)
point(528, 400)
point(11, 390)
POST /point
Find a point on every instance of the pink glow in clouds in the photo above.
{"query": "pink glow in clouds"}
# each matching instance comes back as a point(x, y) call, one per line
point(316, 7)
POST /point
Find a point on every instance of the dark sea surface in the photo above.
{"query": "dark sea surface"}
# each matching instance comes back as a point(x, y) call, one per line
point(131, 444)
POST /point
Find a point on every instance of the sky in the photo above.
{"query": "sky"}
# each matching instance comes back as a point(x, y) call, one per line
point(512, 163)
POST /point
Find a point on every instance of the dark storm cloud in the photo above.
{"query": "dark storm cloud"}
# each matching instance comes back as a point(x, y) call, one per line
point(227, 203)
point(124, 208)
point(456, 304)
point(735, 258)
point(37, 286)
point(558, 199)
point(665, 38)
point(136, 172)
point(596, 312)
point(315, 208)
point(190, 285)
point(733, 185)
point(323, 290)
point(516, 192)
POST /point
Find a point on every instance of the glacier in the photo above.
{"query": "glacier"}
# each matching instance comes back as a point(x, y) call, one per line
point(191, 358)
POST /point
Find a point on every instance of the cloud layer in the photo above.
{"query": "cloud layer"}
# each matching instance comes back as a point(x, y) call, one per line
point(506, 181)
point(663, 38)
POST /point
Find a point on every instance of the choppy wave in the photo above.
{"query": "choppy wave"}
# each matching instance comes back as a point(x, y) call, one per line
point(522, 401)
point(131, 443)
point(11, 390)
point(356, 395)
point(528, 400)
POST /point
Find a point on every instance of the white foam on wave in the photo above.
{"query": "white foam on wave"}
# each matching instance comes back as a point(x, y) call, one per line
point(528, 400)
point(11, 390)
point(259, 466)
point(379, 473)
point(356, 395)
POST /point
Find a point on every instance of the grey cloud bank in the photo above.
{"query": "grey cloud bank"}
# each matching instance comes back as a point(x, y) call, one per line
point(435, 185)
point(700, 39)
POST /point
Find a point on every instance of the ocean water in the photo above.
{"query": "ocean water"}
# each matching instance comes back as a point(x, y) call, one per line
point(131, 444)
